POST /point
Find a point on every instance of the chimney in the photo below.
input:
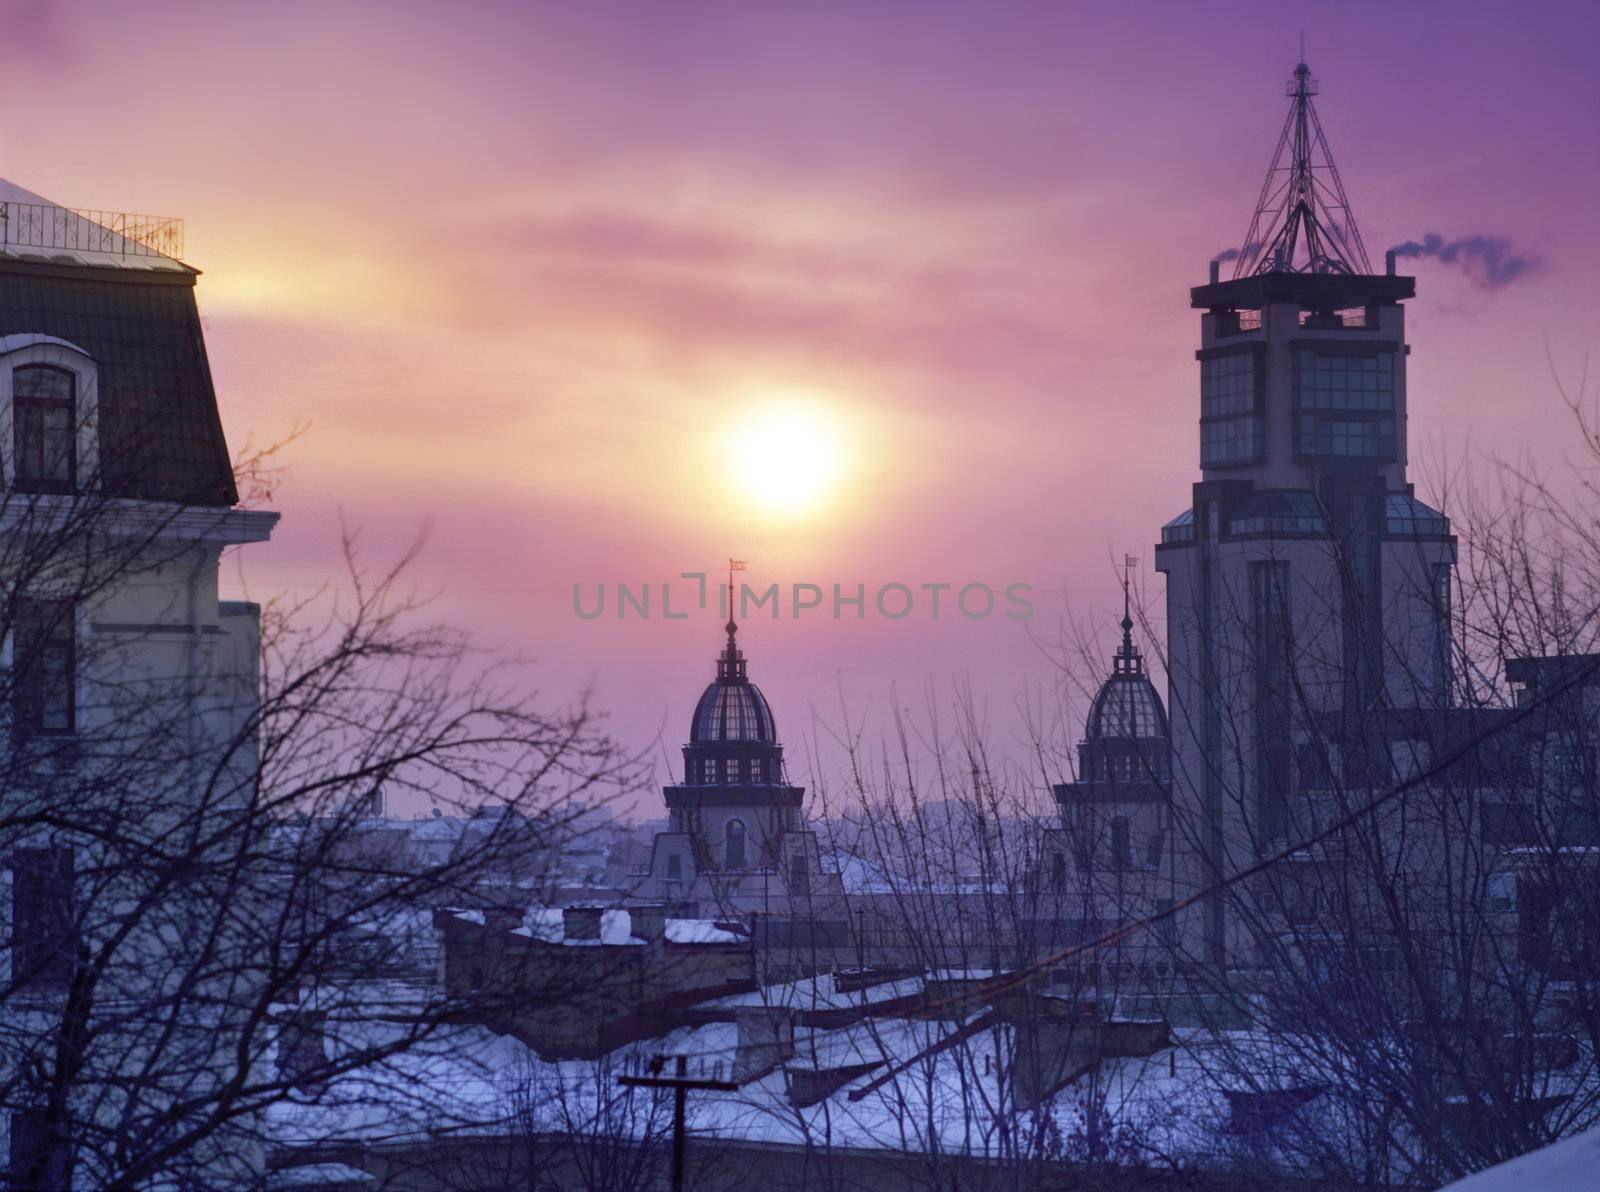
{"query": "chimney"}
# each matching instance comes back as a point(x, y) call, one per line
point(581, 922)
point(766, 1039)
point(1216, 272)
point(1388, 262)
point(503, 918)
point(648, 921)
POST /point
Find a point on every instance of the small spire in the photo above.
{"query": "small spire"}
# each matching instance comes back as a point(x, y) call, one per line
point(1128, 659)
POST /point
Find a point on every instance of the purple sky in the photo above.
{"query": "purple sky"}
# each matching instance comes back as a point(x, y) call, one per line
point(520, 270)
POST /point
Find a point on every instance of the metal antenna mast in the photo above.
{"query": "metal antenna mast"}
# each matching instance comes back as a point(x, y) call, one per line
point(1303, 222)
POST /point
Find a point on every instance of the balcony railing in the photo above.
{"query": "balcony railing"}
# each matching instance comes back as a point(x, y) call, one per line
point(72, 229)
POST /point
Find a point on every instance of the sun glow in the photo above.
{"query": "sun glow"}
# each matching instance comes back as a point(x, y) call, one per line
point(787, 459)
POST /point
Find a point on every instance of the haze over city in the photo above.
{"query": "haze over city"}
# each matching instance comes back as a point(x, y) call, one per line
point(541, 279)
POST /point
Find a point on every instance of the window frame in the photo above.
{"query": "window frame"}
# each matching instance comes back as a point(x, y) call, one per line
point(1121, 843)
point(43, 892)
point(40, 408)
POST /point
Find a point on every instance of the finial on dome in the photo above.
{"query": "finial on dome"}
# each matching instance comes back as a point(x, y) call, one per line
point(730, 665)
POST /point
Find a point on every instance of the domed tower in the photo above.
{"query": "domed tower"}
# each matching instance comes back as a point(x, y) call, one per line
point(1116, 817)
point(734, 818)
point(1127, 738)
point(732, 738)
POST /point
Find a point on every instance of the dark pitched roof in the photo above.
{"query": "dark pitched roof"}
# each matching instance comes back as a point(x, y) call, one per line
point(160, 431)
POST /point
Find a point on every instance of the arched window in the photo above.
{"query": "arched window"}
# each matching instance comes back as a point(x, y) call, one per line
point(45, 427)
point(1121, 847)
point(735, 839)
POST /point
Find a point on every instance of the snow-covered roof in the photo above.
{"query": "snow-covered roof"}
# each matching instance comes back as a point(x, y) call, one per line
point(819, 993)
point(1571, 1163)
point(34, 226)
point(616, 928)
point(320, 1175)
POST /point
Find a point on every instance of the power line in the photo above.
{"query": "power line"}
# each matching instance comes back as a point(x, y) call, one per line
point(680, 1082)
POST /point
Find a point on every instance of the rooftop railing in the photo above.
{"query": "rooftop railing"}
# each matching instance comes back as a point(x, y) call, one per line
point(73, 229)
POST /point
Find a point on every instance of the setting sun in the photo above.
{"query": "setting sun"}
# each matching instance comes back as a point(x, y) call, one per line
point(788, 458)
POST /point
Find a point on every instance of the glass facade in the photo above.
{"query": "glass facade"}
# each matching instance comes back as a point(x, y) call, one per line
point(1290, 512)
point(1366, 439)
point(1231, 427)
point(1328, 382)
point(1344, 404)
point(1409, 518)
point(1228, 385)
point(1232, 441)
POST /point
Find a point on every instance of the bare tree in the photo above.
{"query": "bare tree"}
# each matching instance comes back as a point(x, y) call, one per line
point(187, 812)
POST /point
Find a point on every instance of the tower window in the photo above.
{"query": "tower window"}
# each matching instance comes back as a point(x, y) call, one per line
point(1343, 382)
point(1273, 648)
point(1231, 441)
point(735, 844)
point(674, 867)
point(1121, 844)
point(1158, 840)
point(1228, 385)
point(44, 418)
point(44, 667)
point(1231, 428)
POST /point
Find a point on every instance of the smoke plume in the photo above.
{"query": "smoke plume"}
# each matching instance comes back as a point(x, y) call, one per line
point(1487, 260)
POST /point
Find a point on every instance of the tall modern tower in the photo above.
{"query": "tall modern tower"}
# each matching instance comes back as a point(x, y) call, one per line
point(1307, 587)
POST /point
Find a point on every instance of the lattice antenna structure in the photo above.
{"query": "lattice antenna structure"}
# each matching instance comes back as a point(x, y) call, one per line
point(1303, 222)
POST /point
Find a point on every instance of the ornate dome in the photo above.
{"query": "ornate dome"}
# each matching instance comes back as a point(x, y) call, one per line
point(1126, 707)
point(1126, 738)
point(732, 711)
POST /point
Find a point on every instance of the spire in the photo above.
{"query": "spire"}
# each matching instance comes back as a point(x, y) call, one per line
point(730, 663)
point(1303, 222)
point(1128, 660)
